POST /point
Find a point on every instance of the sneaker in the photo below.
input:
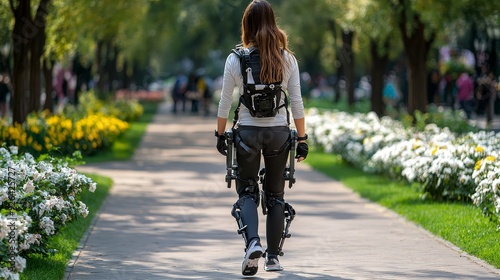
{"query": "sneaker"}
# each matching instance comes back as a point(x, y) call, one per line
point(250, 263)
point(272, 264)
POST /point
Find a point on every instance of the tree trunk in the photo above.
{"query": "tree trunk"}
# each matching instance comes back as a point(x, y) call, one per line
point(100, 67)
point(125, 76)
point(112, 65)
point(21, 35)
point(347, 61)
point(417, 49)
point(417, 98)
point(28, 37)
point(36, 48)
point(107, 68)
point(35, 84)
point(379, 62)
point(337, 64)
point(80, 72)
point(137, 75)
point(49, 88)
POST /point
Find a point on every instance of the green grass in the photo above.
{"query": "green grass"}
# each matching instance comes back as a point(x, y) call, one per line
point(67, 240)
point(123, 148)
point(362, 106)
point(459, 223)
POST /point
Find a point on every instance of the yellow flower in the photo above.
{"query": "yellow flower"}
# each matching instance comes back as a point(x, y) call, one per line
point(478, 165)
point(479, 149)
point(37, 147)
point(35, 129)
point(490, 158)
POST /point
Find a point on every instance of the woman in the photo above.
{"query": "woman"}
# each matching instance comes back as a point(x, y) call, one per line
point(267, 136)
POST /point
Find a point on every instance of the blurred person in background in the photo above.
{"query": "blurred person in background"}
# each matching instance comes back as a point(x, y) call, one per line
point(465, 93)
point(4, 92)
point(179, 92)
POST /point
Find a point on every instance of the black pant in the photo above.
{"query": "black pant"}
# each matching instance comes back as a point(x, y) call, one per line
point(179, 99)
point(467, 106)
point(273, 144)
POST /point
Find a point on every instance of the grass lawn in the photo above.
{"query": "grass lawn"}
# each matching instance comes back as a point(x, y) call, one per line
point(459, 223)
point(362, 106)
point(124, 147)
point(67, 240)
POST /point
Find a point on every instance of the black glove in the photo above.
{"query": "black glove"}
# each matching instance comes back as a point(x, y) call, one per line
point(221, 144)
point(302, 150)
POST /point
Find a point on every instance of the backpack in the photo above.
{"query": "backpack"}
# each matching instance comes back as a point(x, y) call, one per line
point(262, 100)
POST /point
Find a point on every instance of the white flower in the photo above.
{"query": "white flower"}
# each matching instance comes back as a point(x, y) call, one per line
point(37, 176)
point(82, 209)
point(30, 239)
point(494, 185)
point(4, 227)
point(13, 150)
point(5, 154)
point(40, 209)
point(29, 158)
point(29, 187)
point(63, 218)
point(19, 263)
point(4, 194)
point(47, 225)
point(92, 187)
point(6, 273)
point(54, 202)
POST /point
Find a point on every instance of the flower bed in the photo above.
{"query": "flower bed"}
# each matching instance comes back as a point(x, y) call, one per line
point(91, 127)
point(37, 198)
point(446, 165)
point(41, 133)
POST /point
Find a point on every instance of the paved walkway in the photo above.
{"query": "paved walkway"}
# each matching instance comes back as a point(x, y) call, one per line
point(168, 217)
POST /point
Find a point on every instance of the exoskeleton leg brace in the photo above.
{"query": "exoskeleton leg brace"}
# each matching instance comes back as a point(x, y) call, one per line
point(245, 212)
point(289, 215)
point(274, 204)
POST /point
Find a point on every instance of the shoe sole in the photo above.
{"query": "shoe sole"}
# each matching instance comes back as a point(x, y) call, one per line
point(252, 264)
point(273, 268)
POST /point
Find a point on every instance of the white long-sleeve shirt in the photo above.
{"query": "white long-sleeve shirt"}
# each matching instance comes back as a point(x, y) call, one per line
point(291, 84)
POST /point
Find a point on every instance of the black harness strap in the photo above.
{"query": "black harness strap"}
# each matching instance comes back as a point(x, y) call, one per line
point(244, 56)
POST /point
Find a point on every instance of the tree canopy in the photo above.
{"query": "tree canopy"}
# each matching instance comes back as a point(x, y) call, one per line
point(160, 38)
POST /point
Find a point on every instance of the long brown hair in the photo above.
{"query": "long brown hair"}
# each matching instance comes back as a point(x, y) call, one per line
point(259, 29)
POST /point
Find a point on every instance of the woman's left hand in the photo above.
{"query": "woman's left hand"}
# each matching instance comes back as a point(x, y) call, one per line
point(302, 151)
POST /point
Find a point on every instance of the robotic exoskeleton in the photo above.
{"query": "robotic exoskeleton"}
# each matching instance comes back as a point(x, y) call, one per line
point(273, 203)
